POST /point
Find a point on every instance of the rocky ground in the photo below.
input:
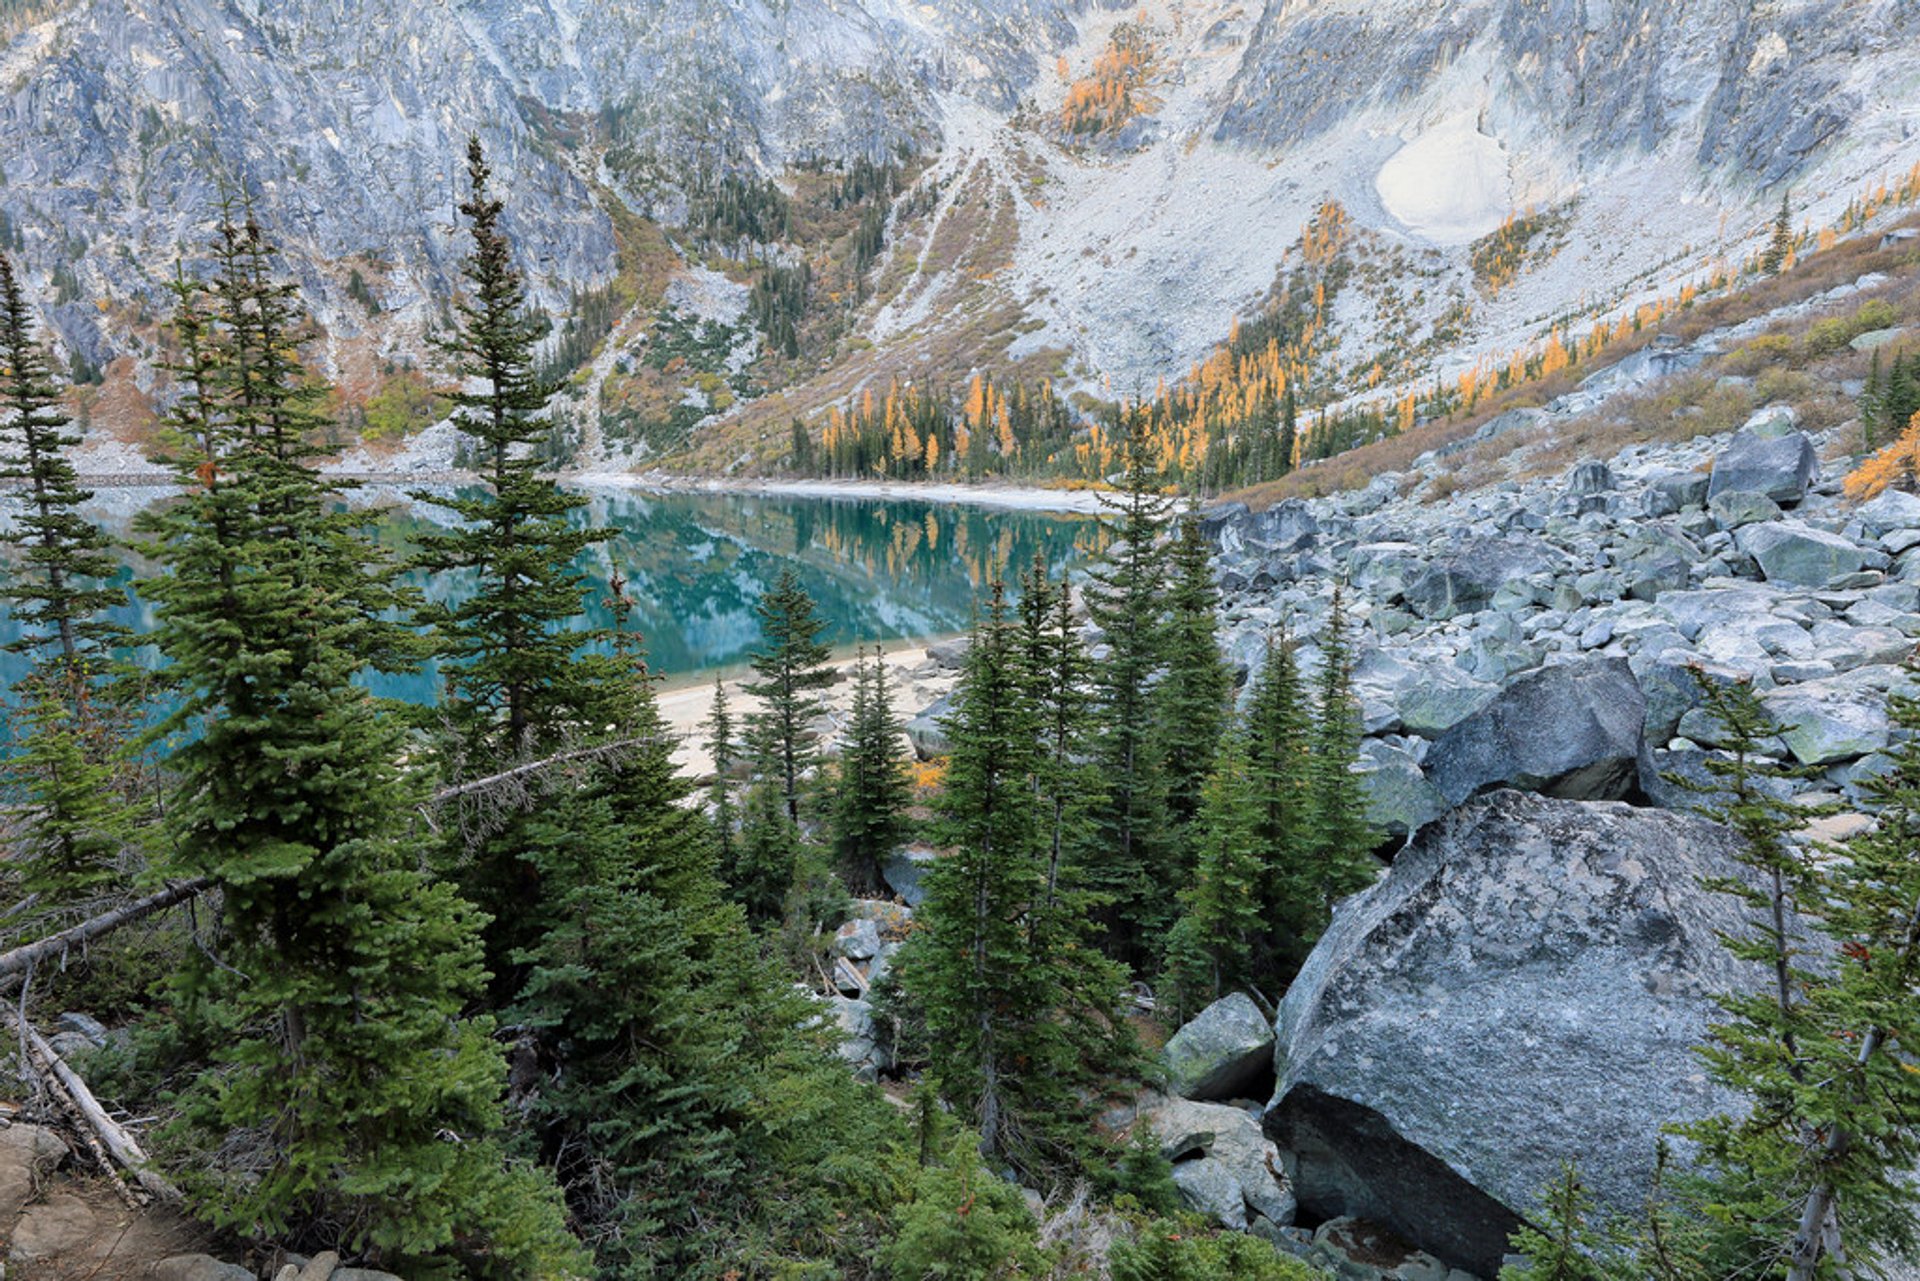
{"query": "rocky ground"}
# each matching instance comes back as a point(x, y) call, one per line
point(1523, 984)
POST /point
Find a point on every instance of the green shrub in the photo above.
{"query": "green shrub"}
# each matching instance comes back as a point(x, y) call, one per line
point(1186, 1250)
point(964, 1224)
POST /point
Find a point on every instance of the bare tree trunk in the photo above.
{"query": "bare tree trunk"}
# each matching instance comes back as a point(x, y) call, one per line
point(99, 1128)
point(20, 958)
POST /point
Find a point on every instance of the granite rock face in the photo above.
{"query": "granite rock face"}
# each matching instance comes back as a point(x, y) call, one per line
point(1573, 731)
point(1527, 966)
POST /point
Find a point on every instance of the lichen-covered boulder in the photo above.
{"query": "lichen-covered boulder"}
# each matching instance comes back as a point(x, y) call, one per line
point(1224, 1050)
point(1574, 731)
point(1525, 987)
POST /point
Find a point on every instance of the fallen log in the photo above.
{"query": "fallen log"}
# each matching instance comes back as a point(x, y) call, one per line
point(21, 958)
point(70, 1091)
point(509, 777)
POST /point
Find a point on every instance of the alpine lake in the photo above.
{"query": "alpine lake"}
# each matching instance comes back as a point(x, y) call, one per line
point(695, 564)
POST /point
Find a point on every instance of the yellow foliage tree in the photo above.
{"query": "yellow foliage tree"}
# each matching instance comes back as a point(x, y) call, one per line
point(1896, 466)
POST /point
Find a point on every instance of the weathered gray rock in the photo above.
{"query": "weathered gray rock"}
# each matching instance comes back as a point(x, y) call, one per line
point(29, 1153)
point(1464, 579)
point(1232, 1137)
point(1430, 707)
point(1790, 552)
point(1574, 731)
point(1589, 478)
point(1739, 508)
point(1400, 800)
point(927, 732)
point(1528, 965)
point(1824, 725)
point(1356, 1250)
point(1891, 509)
point(1674, 492)
point(1211, 1191)
point(1781, 467)
point(950, 654)
point(1222, 1053)
point(204, 1267)
point(905, 872)
point(857, 940)
point(859, 1043)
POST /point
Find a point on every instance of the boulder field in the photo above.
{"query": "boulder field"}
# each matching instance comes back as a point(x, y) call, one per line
point(1542, 634)
point(1528, 980)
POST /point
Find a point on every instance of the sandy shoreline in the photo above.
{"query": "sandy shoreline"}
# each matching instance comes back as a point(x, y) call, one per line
point(1006, 497)
point(686, 701)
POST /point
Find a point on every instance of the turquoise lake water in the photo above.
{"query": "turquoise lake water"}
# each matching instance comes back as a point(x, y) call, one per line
point(695, 564)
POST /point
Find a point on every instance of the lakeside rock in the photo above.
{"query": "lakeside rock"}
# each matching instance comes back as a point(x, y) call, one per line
point(1527, 966)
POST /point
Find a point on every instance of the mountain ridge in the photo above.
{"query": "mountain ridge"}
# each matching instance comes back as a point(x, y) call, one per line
point(1660, 135)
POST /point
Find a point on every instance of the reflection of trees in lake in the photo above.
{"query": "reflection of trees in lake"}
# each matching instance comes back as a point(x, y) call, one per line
point(697, 563)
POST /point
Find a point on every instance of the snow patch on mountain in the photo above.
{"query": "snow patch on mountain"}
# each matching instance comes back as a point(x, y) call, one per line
point(1450, 185)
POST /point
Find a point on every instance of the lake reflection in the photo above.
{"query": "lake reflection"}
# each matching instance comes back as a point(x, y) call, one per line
point(695, 564)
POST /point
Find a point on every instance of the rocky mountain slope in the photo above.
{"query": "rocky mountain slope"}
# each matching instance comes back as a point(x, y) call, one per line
point(1651, 139)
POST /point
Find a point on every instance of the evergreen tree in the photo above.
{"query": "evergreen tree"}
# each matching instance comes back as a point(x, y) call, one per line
point(516, 687)
point(1279, 730)
point(1211, 947)
point(58, 596)
point(1191, 702)
point(1124, 599)
point(63, 768)
point(725, 753)
point(1336, 848)
point(513, 687)
point(1762, 1048)
point(671, 1057)
point(339, 1058)
point(1565, 1247)
point(1067, 784)
point(791, 667)
point(1780, 248)
point(870, 804)
point(1012, 995)
point(1819, 1169)
point(1856, 1191)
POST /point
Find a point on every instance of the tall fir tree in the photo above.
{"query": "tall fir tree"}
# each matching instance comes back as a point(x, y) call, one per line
point(1067, 783)
point(1336, 847)
point(514, 689)
point(63, 767)
point(872, 791)
point(1124, 599)
point(1192, 700)
point(517, 686)
point(1279, 744)
point(724, 750)
point(338, 1054)
point(1011, 992)
point(1211, 947)
point(1818, 1172)
point(60, 595)
point(1779, 251)
point(790, 670)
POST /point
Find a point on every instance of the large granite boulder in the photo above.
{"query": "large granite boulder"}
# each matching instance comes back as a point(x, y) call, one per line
point(1526, 986)
point(1222, 1053)
point(1780, 467)
point(1230, 1138)
point(928, 731)
point(1574, 731)
point(1464, 580)
point(1400, 800)
point(1790, 552)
